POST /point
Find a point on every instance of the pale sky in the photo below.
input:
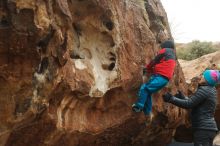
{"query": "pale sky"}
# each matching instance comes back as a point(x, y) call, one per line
point(194, 19)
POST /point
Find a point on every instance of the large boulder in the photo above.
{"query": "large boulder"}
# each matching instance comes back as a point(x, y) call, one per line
point(70, 71)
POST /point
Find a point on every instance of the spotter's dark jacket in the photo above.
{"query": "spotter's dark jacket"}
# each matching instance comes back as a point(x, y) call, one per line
point(203, 105)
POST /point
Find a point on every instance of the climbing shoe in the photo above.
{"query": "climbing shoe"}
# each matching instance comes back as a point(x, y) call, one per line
point(135, 108)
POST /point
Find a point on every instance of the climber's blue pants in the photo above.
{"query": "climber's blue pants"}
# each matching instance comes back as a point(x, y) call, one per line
point(155, 83)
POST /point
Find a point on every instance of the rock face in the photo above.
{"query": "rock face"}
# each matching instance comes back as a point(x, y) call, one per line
point(69, 68)
point(195, 67)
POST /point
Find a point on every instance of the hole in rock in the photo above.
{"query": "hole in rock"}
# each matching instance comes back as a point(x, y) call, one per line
point(43, 43)
point(75, 56)
point(111, 66)
point(77, 29)
point(4, 22)
point(43, 66)
point(108, 24)
point(112, 56)
point(105, 66)
point(108, 39)
point(112, 59)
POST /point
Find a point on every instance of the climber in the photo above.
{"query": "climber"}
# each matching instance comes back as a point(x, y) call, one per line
point(160, 70)
point(203, 104)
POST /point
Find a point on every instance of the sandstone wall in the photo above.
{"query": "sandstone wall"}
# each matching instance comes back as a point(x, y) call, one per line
point(70, 70)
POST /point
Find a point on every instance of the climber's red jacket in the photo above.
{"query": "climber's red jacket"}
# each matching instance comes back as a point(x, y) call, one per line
point(164, 63)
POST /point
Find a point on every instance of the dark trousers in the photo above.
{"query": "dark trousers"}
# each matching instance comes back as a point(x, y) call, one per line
point(203, 137)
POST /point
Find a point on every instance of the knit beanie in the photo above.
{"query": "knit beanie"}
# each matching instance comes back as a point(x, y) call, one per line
point(212, 77)
point(168, 44)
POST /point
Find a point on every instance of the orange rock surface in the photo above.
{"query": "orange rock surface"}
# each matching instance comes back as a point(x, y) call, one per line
point(70, 71)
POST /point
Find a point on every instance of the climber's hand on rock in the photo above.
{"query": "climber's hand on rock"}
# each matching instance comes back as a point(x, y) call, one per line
point(179, 95)
point(144, 71)
point(167, 97)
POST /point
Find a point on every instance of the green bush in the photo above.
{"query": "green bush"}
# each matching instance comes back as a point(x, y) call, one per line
point(194, 50)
